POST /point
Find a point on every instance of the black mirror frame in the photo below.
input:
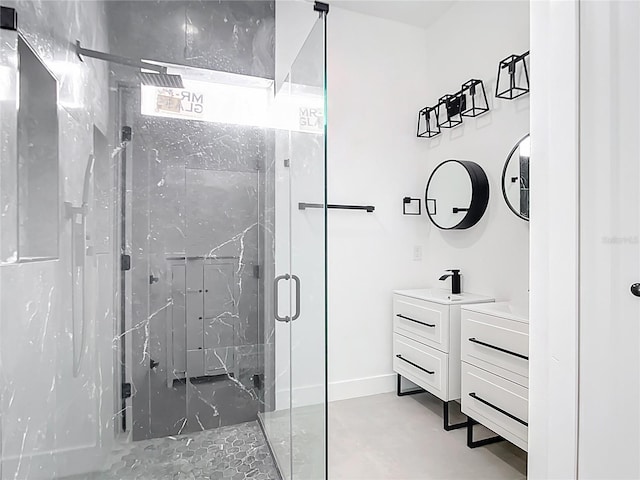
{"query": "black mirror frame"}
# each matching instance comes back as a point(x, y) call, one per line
point(504, 174)
point(479, 195)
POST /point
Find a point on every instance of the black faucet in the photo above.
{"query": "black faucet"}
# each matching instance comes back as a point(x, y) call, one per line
point(455, 280)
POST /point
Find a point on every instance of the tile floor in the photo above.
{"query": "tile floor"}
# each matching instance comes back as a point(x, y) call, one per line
point(381, 437)
point(237, 452)
point(401, 438)
point(303, 452)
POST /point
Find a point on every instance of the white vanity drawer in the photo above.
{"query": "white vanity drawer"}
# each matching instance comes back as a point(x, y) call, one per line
point(423, 365)
point(496, 344)
point(497, 403)
point(425, 322)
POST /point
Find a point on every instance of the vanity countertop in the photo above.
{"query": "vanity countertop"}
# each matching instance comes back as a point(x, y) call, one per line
point(501, 309)
point(444, 296)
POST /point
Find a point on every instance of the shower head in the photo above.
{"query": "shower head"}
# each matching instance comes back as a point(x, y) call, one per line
point(150, 74)
point(166, 80)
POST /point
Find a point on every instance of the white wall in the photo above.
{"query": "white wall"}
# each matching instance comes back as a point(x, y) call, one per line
point(467, 42)
point(294, 20)
point(376, 81)
point(553, 383)
point(380, 74)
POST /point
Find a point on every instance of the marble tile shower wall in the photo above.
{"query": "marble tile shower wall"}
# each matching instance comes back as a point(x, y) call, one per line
point(51, 419)
point(228, 36)
point(54, 424)
point(198, 189)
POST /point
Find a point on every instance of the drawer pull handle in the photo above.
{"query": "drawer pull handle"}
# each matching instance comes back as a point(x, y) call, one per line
point(415, 365)
point(504, 412)
point(508, 352)
point(412, 320)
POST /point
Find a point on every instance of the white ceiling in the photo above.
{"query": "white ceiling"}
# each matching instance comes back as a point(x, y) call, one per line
point(420, 13)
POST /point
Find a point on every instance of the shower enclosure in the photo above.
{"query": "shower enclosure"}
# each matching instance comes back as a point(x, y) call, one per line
point(162, 295)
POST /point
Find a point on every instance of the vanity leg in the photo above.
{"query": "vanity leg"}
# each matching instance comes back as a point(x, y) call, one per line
point(400, 393)
point(471, 443)
point(445, 415)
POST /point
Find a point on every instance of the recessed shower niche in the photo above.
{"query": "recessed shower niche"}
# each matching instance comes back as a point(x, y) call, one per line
point(37, 158)
point(457, 194)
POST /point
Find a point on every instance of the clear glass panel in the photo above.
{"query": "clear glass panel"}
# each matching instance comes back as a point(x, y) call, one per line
point(140, 340)
point(609, 239)
point(296, 428)
point(308, 261)
point(276, 419)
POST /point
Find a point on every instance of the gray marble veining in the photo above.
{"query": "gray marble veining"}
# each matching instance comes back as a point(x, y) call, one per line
point(237, 452)
point(66, 332)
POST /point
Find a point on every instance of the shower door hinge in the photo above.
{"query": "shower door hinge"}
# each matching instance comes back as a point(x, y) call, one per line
point(8, 18)
point(256, 271)
point(126, 391)
point(127, 134)
point(287, 162)
point(125, 262)
point(321, 7)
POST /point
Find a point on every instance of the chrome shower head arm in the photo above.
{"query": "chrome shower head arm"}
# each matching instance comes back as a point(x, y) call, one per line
point(107, 57)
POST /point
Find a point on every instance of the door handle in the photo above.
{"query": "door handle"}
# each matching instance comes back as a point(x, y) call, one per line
point(297, 280)
point(276, 283)
point(635, 289)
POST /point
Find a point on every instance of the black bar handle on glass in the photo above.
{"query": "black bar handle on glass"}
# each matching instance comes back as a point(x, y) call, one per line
point(304, 206)
point(414, 364)
point(276, 283)
point(417, 321)
point(297, 280)
point(500, 349)
point(498, 409)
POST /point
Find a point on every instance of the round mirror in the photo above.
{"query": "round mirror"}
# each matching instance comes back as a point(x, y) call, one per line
point(515, 178)
point(457, 194)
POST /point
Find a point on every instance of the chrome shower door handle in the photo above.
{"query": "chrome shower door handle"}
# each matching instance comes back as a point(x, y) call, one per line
point(276, 283)
point(297, 280)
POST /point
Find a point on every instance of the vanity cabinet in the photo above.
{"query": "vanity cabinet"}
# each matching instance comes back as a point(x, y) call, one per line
point(426, 340)
point(495, 370)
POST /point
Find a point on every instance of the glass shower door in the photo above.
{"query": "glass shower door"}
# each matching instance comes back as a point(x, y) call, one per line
point(296, 426)
point(308, 260)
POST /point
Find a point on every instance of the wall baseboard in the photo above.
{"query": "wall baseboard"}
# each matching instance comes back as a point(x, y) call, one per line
point(342, 390)
point(362, 387)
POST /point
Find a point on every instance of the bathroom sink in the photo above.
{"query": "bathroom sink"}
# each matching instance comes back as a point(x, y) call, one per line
point(444, 296)
point(503, 310)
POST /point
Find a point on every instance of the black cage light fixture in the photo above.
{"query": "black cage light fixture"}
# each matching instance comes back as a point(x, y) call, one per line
point(428, 125)
point(450, 107)
point(516, 81)
point(477, 103)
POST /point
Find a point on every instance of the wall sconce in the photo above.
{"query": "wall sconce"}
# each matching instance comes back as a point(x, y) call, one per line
point(516, 83)
point(475, 90)
point(453, 106)
point(428, 125)
point(407, 201)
